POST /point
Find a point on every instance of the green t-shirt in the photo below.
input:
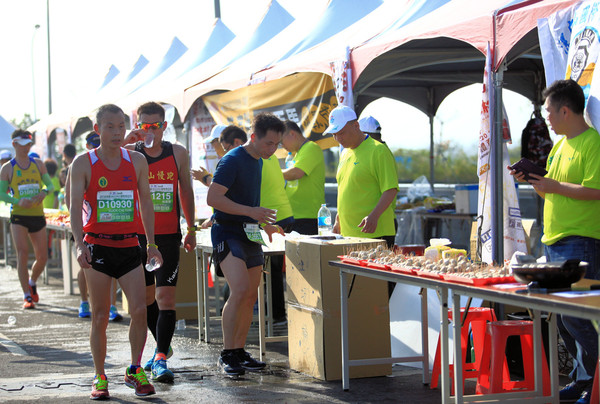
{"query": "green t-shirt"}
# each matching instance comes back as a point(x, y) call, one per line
point(307, 194)
point(575, 161)
point(272, 189)
point(363, 175)
point(49, 199)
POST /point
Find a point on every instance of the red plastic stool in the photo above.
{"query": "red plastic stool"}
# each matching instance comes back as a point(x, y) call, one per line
point(495, 378)
point(475, 323)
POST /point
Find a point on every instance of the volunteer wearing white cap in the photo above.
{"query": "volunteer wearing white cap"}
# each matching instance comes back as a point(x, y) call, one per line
point(202, 174)
point(371, 127)
point(367, 181)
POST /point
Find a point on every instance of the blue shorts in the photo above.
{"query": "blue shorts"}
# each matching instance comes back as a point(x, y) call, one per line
point(248, 251)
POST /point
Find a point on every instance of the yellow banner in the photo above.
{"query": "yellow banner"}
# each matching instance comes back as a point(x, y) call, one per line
point(305, 98)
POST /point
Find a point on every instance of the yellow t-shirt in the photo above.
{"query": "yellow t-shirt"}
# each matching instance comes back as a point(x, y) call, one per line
point(49, 199)
point(307, 194)
point(575, 161)
point(26, 183)
point(272, 189)
point(363, 175)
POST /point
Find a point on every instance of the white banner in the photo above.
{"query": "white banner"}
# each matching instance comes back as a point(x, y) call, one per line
point(201, 154)
point(569, 40)
point(342, 80)
point(514, 236)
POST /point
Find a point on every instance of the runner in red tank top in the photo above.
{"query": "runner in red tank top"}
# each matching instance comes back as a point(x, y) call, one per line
point(170, 184)
point(111, 180)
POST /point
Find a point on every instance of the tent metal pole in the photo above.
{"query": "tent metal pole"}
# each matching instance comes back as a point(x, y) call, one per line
point(217, 8)
point(49, 64)
point(431, 155)
point(497, 189)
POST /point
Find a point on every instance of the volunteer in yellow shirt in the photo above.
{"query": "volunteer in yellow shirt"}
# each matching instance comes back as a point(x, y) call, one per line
point(367, 181)
point(305, 186)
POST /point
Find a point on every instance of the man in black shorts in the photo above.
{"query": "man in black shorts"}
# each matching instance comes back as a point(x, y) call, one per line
point(235, 195)
point(171, 187)
point(105, 184)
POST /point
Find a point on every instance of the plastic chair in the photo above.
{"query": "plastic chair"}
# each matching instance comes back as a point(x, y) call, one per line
point(495, 378)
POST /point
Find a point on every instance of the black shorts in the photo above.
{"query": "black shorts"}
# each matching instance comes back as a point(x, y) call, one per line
point(32, 223)
point(114, 262)
point(248, 251)
point(169, 246)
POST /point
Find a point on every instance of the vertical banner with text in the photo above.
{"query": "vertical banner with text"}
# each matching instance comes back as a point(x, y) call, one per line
point(514, 235)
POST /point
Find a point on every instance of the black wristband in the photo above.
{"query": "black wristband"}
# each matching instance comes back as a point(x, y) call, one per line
point(205, 177)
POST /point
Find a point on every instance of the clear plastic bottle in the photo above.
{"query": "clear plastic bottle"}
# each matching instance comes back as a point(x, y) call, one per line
point(324, 218)
point(289, 160)
point(153, 265)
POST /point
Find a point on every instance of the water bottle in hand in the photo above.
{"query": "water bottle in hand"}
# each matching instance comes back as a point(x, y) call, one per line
point(153, 265)
point(289, 160)
point(324, 218)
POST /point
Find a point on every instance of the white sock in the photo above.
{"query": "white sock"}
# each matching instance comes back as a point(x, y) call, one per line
point(31, 282)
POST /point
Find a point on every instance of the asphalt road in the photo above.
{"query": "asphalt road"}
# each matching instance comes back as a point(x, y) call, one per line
point(45, 357)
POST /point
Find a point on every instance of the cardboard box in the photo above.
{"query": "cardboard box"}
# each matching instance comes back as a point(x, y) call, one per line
point(465, 198)
point(313, 296)
point(186, 299)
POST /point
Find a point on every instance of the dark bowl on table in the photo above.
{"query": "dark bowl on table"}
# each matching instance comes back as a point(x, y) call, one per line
point(550, 275)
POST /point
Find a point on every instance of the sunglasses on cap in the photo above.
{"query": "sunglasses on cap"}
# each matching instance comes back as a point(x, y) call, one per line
point(146, 126)
point(23, 136)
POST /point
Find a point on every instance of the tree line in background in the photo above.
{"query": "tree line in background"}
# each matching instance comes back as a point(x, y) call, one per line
point(452, 165)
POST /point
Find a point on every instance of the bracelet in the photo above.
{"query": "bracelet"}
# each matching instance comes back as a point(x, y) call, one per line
point(205, 177)
point(192, 228)
point(151, 245)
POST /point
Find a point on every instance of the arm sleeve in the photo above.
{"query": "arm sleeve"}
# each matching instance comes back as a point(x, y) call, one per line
point(48, 182)
point(4, 196)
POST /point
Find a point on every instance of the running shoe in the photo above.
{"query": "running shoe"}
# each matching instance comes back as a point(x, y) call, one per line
point(84, 310)
point(34, 294)
point(100, 388)
point(229, 363)
point(139, 382)
point(148, 365)
point(248, 362)
point(160, 372)
point(28, 303)
point(113, 314)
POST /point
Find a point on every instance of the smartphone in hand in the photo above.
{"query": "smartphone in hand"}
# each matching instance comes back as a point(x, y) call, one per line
point(527, 167)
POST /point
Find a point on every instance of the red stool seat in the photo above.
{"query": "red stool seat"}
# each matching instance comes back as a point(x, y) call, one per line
point(495, 378)
point(475, 323)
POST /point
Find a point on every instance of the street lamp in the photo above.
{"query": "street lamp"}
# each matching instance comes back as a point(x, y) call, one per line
point(37, 26)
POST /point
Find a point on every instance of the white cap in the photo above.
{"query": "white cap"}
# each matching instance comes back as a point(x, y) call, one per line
point(368, 124)
point(215, 133)
point(5, 154)
point(339, 117)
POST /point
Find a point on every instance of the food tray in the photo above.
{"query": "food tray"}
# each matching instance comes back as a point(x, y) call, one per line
point(375, 265)
point(478, 281)
point(350, 260)
point(402, 270)
point(428, 274)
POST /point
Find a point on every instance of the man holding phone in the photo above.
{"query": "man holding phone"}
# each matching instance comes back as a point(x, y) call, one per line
point(571, 190)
